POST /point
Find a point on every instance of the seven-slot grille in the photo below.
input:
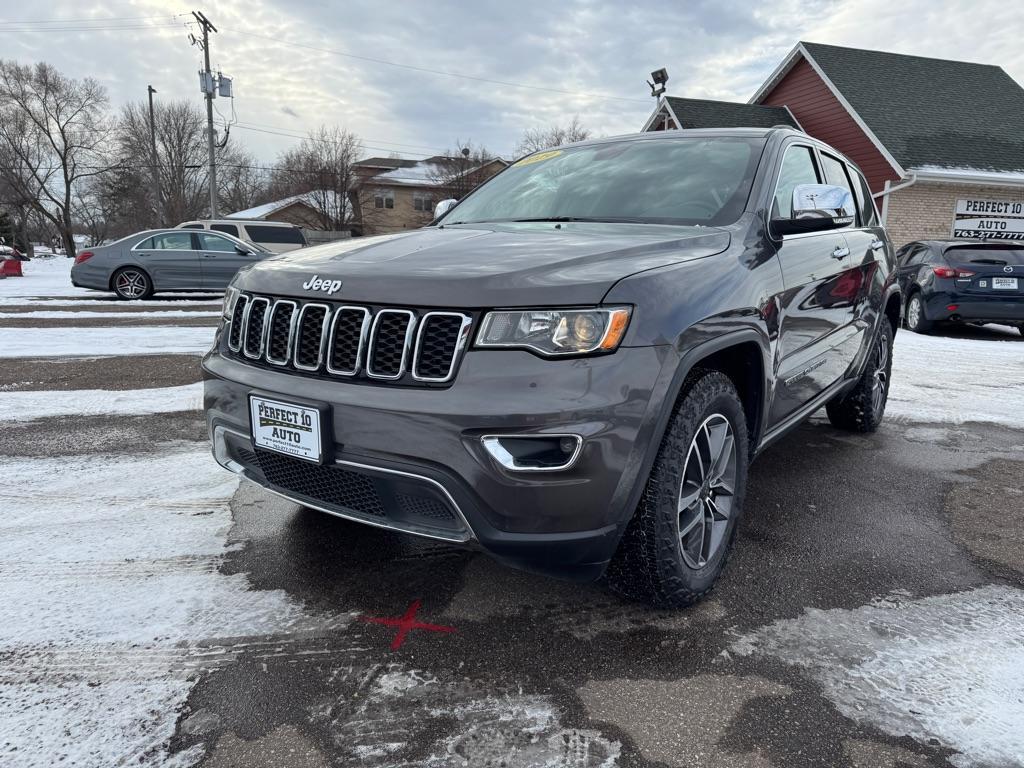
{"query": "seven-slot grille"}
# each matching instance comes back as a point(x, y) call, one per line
point(349, 341)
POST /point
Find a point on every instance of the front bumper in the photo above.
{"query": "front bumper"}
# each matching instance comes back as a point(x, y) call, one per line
point(417, 455)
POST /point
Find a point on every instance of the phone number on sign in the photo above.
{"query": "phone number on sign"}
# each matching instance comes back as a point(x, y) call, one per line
point(978, 234)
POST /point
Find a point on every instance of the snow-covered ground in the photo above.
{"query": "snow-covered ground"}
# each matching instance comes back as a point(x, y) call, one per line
point(950, 380)
point(69, 341)
point(44, 314)
point(25, 406)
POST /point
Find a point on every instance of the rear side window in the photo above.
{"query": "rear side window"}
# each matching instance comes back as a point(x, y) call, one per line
point(261, 234)
point(868, 215)
point(191, 226)
point(797, 168)
point(229, 229)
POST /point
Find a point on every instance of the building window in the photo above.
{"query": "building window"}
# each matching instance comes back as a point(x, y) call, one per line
point(423, 201)
point(383, 198)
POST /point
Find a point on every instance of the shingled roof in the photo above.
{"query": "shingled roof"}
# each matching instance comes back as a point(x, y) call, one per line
point(705, 113)
point(929, 113)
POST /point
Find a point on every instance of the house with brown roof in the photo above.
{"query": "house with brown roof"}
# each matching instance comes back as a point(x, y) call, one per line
point(941, 142)
point(395, 195)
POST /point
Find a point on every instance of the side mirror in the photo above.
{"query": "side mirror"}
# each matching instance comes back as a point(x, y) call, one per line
point(817, 208)
point(241, 250)
point(443, 207)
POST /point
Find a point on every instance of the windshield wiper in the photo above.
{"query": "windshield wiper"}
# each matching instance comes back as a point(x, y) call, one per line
point(603, 220)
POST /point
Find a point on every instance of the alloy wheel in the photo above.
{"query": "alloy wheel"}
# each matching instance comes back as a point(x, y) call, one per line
point(880, 380)
point(706, 491)
point(914, 312)
point(130, 283)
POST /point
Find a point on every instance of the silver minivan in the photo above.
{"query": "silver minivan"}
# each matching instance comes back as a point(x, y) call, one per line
point(276, 236)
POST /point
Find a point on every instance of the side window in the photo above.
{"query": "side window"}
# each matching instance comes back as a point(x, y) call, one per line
point(229, 229)
point(866, 204)
point(210, 242)
point(192, 226)
point(797, 168)
point(145, 245)
point(915, 254)
point(173, 241)
point(835, 173)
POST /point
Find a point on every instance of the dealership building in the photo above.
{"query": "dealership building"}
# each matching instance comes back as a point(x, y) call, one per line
point(940, 142)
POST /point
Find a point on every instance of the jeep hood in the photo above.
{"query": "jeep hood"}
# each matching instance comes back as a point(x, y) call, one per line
point(475, 266)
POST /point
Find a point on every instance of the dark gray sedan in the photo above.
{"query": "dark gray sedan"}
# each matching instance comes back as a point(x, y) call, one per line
point(142, 264)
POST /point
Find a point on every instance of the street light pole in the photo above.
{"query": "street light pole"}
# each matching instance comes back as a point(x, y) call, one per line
point(153, 160)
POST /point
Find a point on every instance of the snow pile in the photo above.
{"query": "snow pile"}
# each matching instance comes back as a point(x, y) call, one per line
point(46, 277)
point(106, 341)
point(25, 406)
point(113, 600)
point(942, 379)
point(949, 668)
point(42, 314)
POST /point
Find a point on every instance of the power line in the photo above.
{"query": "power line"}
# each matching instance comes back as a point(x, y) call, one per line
point(48, 30)
point(438, 71)
point(94, 19)
point(300, 133)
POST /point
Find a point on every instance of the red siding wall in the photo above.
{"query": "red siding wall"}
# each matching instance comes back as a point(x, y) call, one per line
point(822, 116)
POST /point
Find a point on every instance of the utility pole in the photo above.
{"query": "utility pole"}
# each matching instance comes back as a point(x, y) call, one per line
point(153, 160)
point(208, 89)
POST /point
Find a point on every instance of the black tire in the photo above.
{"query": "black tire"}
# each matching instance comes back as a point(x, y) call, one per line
point(653, 562)
point(131, 284)
point(916, 321)
point(862, 408)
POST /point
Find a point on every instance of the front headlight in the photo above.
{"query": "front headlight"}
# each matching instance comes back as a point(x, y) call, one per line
point(230, 297)
point(554, 332)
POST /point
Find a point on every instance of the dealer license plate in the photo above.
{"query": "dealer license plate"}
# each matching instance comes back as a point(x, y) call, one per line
point(286, 428)
point(1005, 283)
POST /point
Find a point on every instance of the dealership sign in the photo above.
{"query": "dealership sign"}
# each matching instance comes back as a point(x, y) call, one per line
point(991, 219)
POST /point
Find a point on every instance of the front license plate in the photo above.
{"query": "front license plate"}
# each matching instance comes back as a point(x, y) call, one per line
point(287, 428)
point(1005, 283)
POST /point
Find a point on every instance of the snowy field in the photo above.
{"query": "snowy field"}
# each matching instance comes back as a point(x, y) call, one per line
point(115, 603)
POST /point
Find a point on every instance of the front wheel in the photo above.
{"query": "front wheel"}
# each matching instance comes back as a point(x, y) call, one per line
point(132, 283)
point(862, 408)
point(679, 538)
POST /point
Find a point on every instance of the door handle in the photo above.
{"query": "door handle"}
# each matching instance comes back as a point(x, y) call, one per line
point(876, 244)
point(209, 255)
point(840, 252)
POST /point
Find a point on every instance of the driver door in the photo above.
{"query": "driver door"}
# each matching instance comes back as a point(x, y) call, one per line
point(816, 307)
point(221, 258)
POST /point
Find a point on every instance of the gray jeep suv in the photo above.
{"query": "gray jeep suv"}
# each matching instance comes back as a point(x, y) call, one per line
point(574, 366)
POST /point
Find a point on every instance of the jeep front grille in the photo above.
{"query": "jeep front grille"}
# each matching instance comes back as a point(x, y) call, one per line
point(339, 340)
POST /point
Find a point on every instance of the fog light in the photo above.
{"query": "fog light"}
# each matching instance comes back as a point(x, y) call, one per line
point(534, 453)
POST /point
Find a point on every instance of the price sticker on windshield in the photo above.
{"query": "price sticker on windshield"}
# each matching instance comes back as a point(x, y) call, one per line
point(539, 157)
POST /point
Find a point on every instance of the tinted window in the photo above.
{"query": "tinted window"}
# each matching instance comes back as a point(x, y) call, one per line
point(1013, 257)
point(191, 226)
point(868, 215)
point(230, 229)
point(835, 173)
point(262, 234)
point(797, 168)
point(916, 254)
point(209, 242)
point(146, 244)
point(659, 181)
point(172, 241)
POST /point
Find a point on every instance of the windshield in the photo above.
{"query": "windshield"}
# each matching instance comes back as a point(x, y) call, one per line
point(1012, 255)
point(657, 181)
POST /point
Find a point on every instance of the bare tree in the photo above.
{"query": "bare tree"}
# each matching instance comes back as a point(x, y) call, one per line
point(457, 173)
point(536, 139)
point(321, 169)
point(54, 134)
point(242, 184)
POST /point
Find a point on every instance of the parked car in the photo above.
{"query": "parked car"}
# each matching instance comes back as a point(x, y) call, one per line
point(957, 281)
point(145, 263)
point(574, 365)
point(276, 236)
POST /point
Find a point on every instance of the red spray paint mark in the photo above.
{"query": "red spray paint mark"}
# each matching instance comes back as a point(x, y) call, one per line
point(405, 624)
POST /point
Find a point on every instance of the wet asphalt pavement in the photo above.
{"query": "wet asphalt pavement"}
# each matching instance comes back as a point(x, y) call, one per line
point(521, 670)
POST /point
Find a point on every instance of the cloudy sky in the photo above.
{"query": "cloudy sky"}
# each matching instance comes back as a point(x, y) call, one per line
point(377, 67)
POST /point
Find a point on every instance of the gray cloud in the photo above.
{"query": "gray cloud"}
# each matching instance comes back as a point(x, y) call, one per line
point(712, 48)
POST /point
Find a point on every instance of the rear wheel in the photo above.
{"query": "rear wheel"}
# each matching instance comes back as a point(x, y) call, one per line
point(916, 321)
point(861, 409)
point(132, 283)
point(680, 536)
